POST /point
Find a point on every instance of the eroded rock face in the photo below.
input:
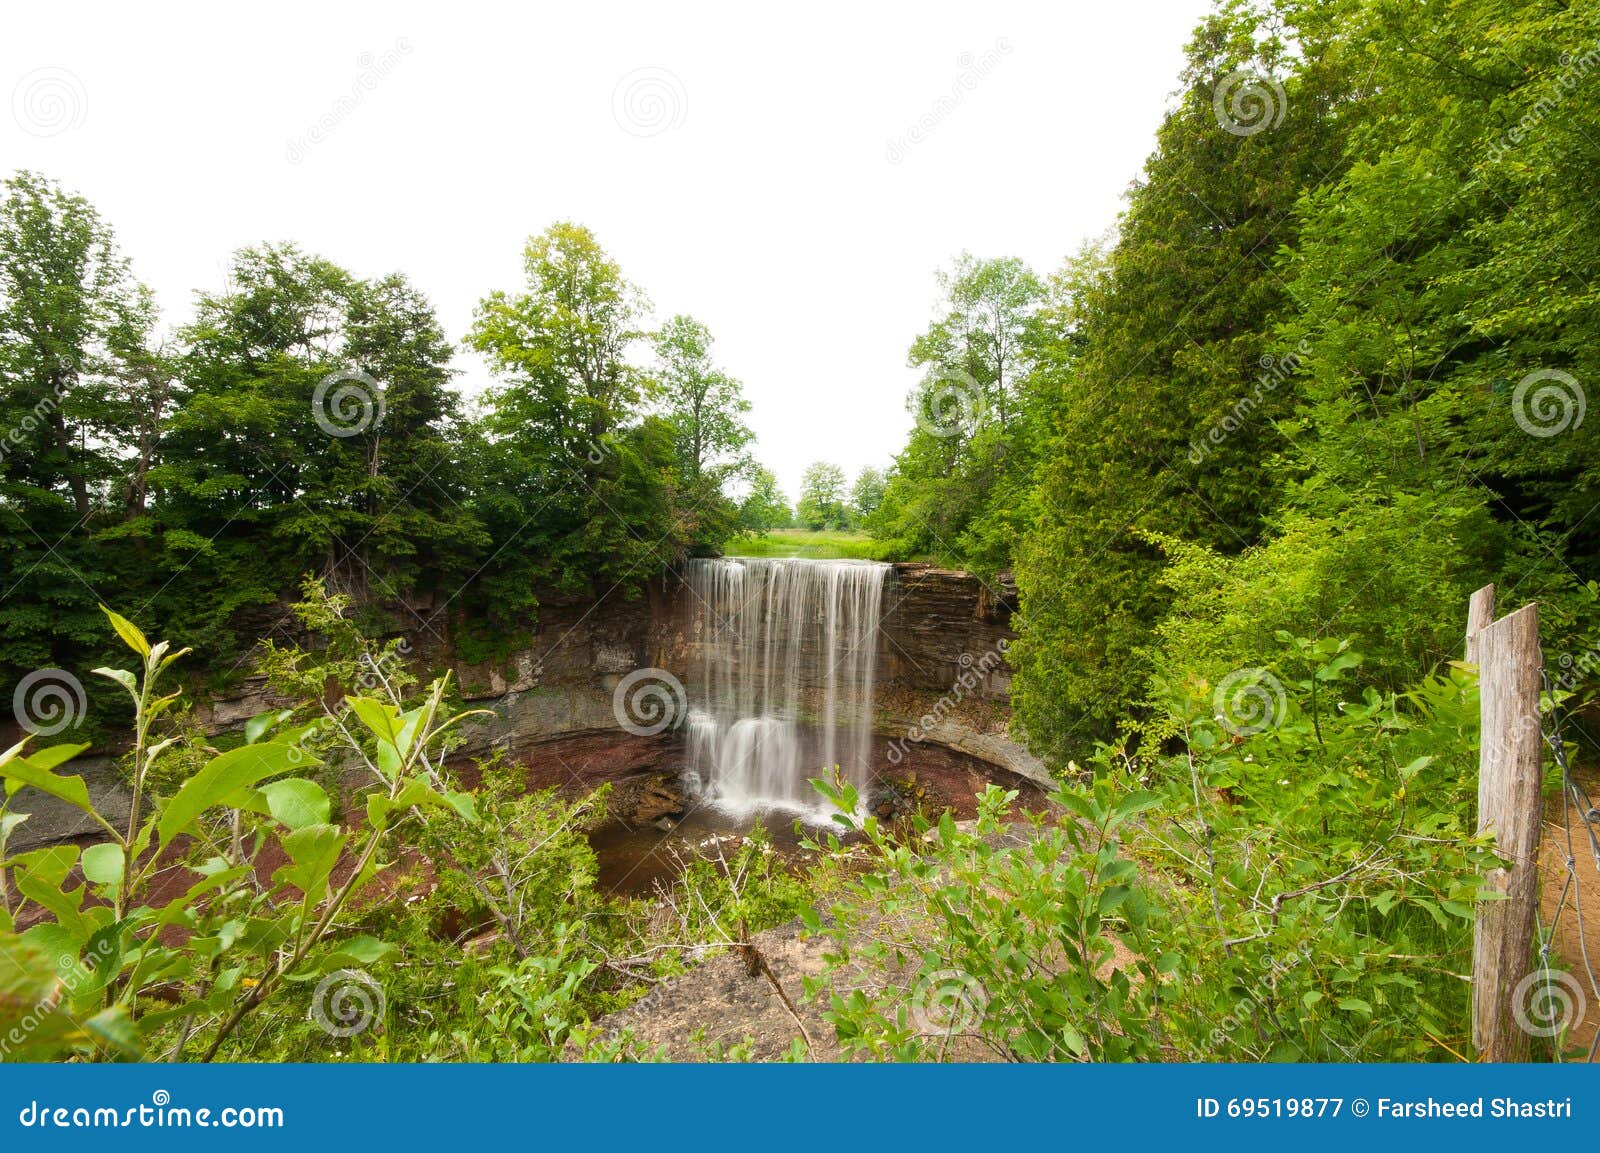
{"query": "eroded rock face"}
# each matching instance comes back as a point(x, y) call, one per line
point(942, 684)
point(942, 626)
point(51, 820)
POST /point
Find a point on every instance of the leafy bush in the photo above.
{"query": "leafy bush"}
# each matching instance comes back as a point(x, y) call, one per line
point(170, 971)
point(1295, 882)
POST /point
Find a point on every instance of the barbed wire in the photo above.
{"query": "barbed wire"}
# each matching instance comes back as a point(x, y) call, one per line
point(1573, 795)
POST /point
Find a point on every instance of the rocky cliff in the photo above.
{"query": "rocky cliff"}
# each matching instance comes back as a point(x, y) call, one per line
point(942, 684)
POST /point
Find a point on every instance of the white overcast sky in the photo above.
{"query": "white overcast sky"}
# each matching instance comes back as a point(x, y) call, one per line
point(764, 200)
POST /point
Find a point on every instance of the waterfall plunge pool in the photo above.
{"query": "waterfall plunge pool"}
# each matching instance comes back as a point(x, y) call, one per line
point(659, 821)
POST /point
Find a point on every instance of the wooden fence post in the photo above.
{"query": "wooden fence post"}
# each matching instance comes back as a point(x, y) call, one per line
point(1509, 803)
point(1480, 615)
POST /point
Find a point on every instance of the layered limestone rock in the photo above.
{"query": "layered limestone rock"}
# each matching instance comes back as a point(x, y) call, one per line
point(942, 700)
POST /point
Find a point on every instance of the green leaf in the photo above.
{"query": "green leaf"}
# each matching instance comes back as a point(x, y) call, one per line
point(1415, 767)
point(236, 769)
point(55, 756)
point(113, 1028)
point(103, 865)
point(56, 943)
point(257, 726)
point(1134, 804)
point(465, 806)
point(1355, 1005)
point(315, 851)
point(296, 802)
point(24, 771)
point(102, 956)
point(357, 953)
point(378, 717)
point(123, 677)
point(129, 632)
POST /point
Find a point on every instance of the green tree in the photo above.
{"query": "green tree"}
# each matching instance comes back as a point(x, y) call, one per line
point(973, 413)
point(866, 494)
point(706, 409)
point(1173, 334)
point(822, 496)
point(81, 397)
point(764, 507)
point(572, 475)
point(1443, 317)
point(316, 430)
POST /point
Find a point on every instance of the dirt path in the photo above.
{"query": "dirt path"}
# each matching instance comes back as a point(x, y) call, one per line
point(1582, 901)
point(720, 999)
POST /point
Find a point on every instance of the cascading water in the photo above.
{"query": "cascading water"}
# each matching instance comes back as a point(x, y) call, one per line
point(783, 688)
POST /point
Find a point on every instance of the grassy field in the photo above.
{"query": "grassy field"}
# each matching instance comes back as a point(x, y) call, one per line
point(803, 542)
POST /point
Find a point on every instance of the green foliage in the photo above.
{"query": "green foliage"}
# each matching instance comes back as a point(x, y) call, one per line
point(764, 507)
point(866, 494)
point(823, 499)
point(1297, 883)
point(954, 489)
point(972, 944)
point(817, 545)
point(173, 972)
point(306, 420)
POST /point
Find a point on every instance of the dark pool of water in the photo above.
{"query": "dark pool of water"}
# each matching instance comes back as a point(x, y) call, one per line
point(634, 859)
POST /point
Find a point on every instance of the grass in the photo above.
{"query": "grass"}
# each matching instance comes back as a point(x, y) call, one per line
point(805, 543)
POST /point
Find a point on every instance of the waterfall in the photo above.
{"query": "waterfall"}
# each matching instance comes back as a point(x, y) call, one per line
point(782, 689)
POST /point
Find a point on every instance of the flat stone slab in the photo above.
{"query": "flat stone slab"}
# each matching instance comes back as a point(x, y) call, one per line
point(51, 820)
